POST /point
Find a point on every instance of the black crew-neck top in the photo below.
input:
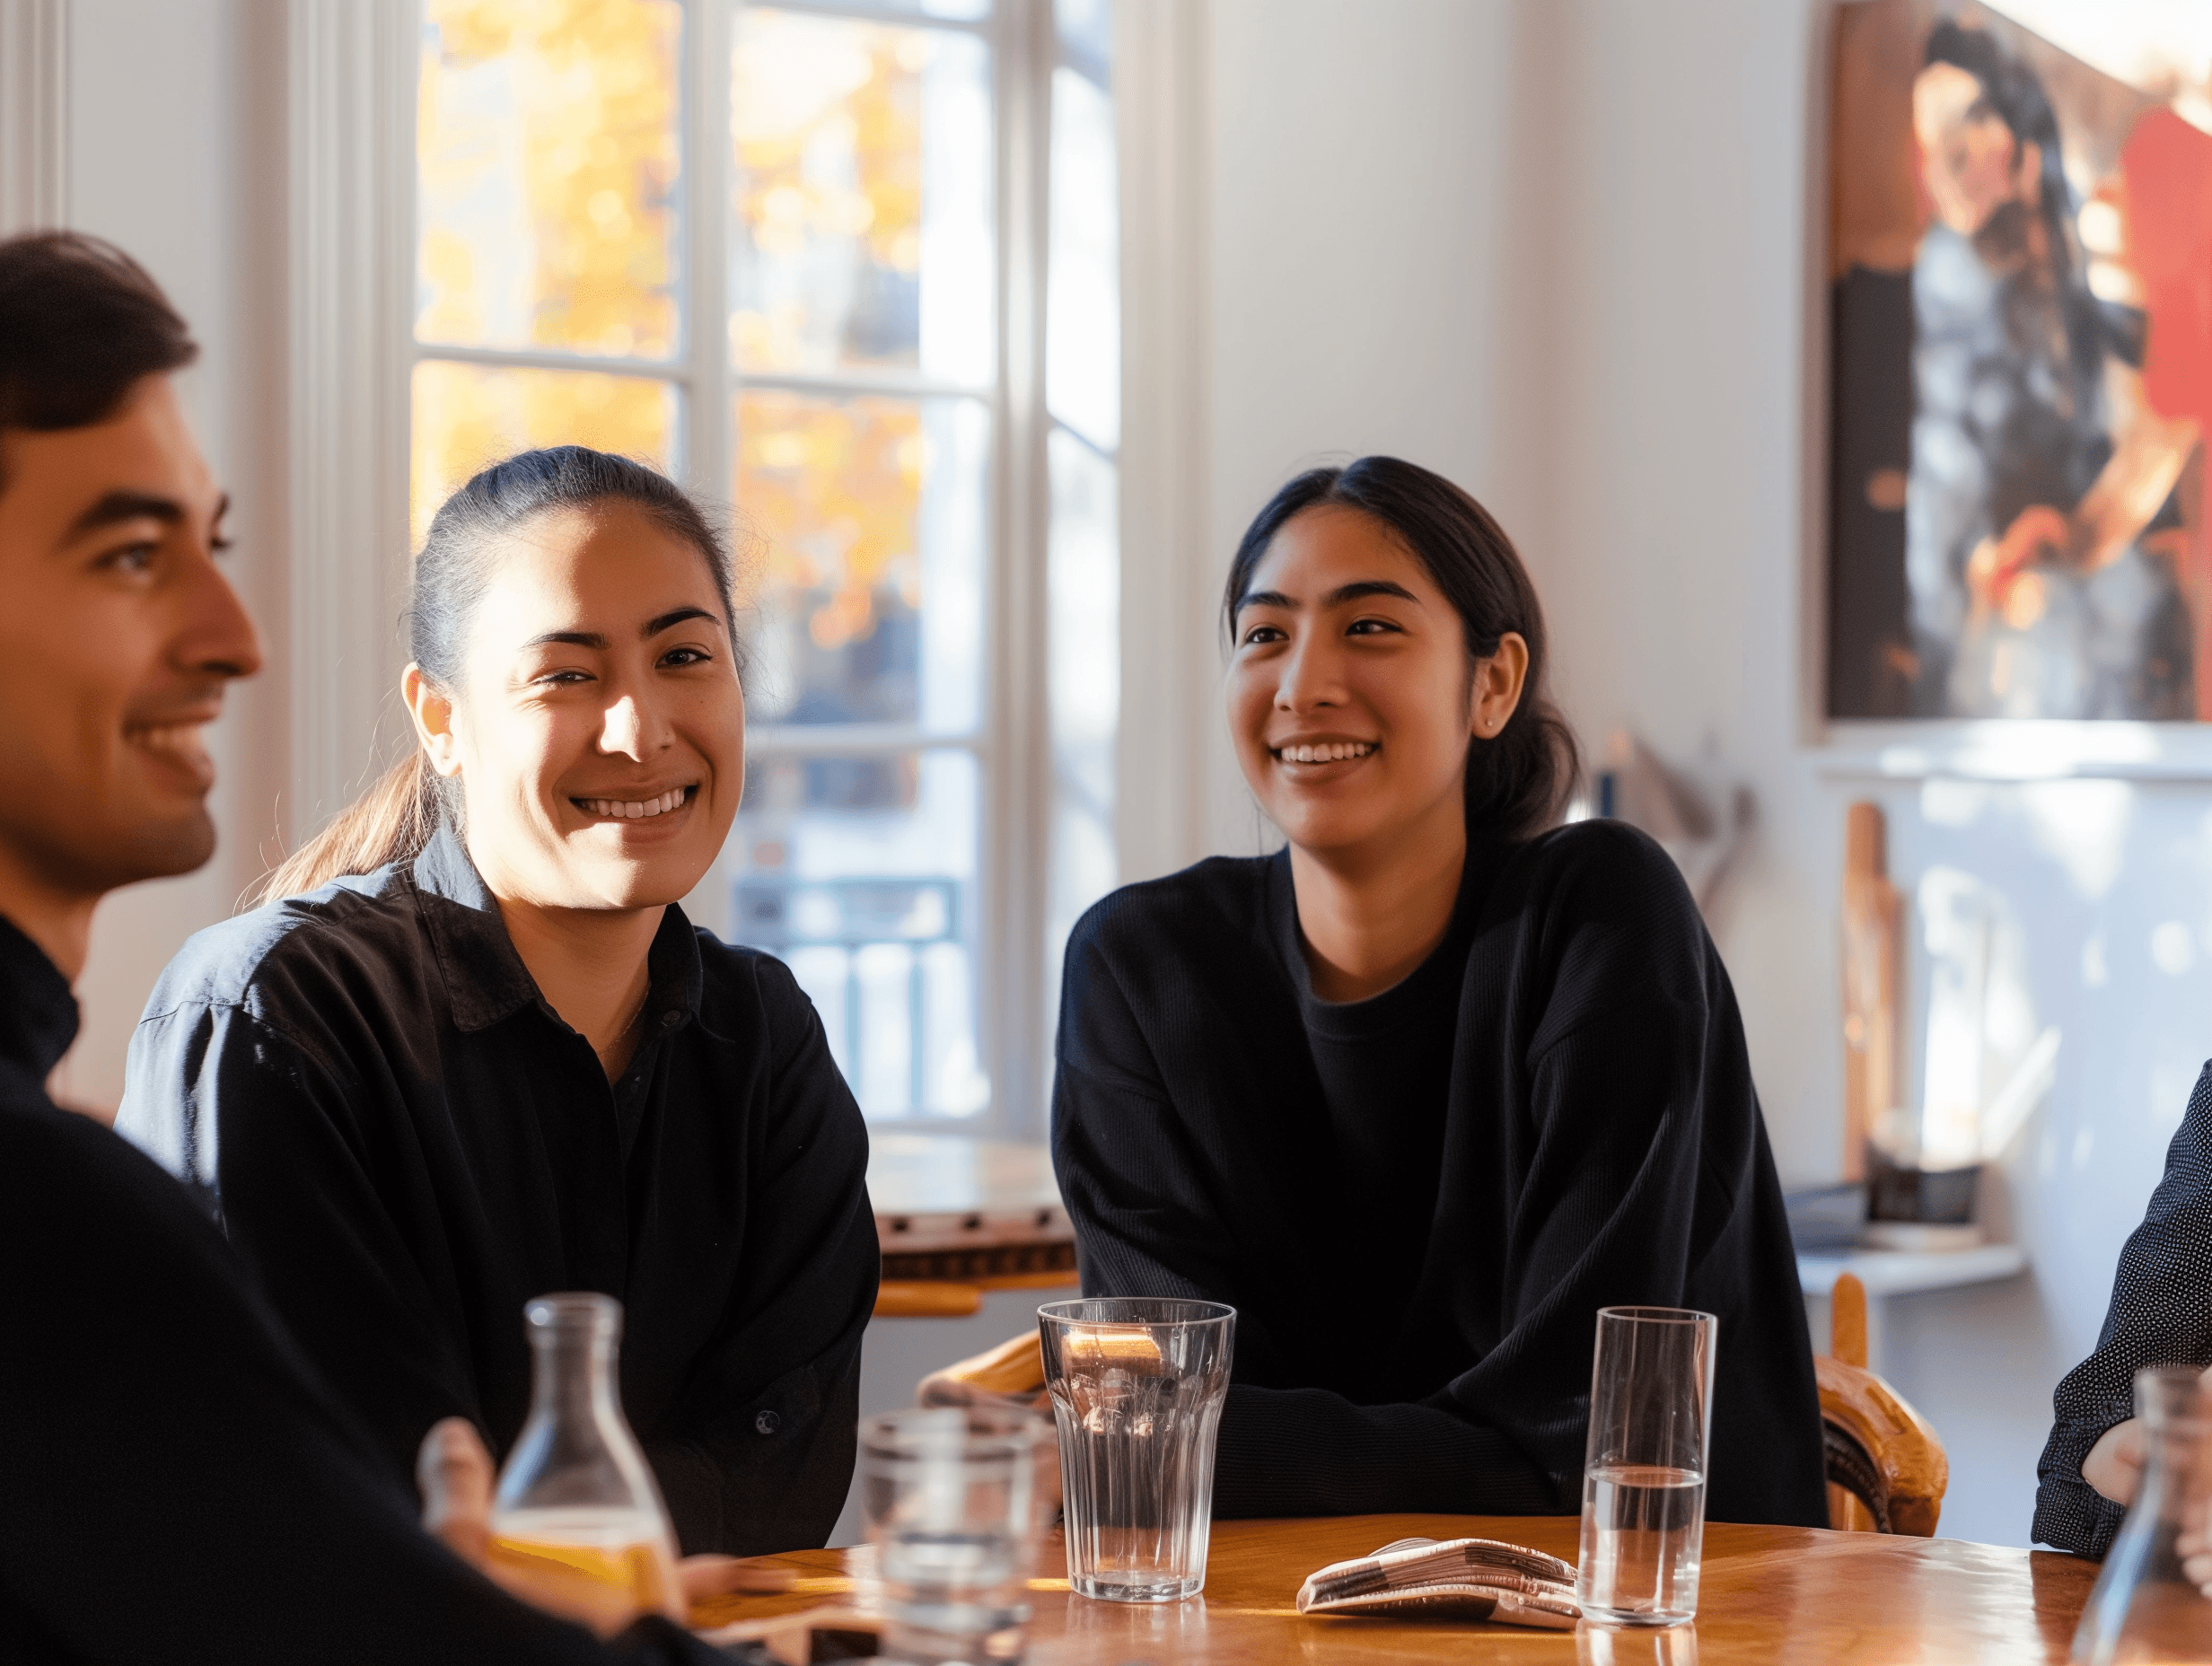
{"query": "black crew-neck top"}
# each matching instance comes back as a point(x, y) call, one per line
point(1384, 1066)
point(176, 1487)
point(407, 1143)
point(1417, 1204)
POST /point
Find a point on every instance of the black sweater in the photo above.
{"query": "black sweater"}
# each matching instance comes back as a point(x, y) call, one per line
point(175, 1485)
point(406, 1145)
point(1599, 1144)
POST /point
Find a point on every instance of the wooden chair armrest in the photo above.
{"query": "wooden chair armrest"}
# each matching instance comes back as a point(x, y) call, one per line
point(1016, 1366)
point(1907, 1452)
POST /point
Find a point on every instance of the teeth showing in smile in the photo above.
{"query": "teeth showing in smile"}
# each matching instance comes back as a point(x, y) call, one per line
point(184, 740)
point(1328, 752)
point(634, 809)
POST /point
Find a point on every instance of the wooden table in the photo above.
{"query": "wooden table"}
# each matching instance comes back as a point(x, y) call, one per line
point(1770, 1594)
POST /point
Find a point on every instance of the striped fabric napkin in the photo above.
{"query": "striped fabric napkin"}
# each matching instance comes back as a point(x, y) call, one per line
point(1470, 1578)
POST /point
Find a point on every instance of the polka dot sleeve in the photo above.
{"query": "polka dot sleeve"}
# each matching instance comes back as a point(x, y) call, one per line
point(2161, 1314)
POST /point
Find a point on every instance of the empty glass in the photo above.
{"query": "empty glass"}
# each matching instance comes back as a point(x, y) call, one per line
point(1643, 1486)
point(1136, 1384)
point(578, 1511)
point(952, 1506)
point(2149, 1601)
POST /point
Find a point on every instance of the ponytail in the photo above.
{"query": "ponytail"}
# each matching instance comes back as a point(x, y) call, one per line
point(391, 822)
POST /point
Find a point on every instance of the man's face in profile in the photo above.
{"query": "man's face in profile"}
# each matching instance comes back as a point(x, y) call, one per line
point(117, 636)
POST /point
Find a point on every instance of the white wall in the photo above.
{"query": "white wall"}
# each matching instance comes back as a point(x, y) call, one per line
point(175, 151)
point(1561, 252)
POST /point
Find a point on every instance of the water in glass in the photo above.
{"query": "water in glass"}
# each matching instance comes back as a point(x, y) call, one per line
point(951, 1502)
point(1642, 1535)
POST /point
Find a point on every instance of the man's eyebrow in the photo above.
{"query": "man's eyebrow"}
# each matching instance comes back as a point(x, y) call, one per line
point(1336, 598)
point(669, 621)
point(116, 507)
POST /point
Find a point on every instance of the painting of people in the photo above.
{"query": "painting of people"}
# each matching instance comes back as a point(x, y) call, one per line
point(2020, 269)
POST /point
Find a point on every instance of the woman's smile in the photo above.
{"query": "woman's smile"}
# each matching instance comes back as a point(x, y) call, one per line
point(632, 806)
point(1308, 756)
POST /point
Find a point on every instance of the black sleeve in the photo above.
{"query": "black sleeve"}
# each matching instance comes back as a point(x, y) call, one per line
point(760, 1456)
point(192, 1495)
point(263, 1127)
point(2161, 1314)
point(1144, 1226)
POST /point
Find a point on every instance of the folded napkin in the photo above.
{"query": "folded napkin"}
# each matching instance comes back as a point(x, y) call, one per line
point(1472, 1578)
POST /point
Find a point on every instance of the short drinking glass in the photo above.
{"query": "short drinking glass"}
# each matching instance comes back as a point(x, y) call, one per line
point(949, 1496)
point(1643, 1484)
point(1136, 1384)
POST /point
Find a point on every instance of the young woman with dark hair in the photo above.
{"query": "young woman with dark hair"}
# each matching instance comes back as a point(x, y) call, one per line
point(470, 1051)
point(1422, 1091)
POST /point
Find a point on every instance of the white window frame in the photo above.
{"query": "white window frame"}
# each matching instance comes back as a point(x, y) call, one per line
point(352, 246)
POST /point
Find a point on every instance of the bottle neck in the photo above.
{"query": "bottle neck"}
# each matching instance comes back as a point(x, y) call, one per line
point(574, 1378)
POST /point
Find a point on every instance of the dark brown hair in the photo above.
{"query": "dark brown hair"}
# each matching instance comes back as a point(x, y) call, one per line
point(1519, 779)
point(81, 324)
point(396, 817)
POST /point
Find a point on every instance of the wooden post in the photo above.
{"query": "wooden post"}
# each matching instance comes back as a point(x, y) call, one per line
point(1873, 917)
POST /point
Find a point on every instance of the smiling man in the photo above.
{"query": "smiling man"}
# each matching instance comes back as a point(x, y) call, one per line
point(176, 1486)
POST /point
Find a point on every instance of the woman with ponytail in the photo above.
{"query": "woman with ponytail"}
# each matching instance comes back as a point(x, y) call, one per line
point(469, 1051)
point(1422, 1091)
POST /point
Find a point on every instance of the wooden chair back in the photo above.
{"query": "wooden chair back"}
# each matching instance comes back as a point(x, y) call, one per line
point(1886, 1469)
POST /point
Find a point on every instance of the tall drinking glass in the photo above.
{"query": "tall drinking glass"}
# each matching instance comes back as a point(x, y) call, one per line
point(950, 1497)
point(1642, 1482)
point(1136, 1384)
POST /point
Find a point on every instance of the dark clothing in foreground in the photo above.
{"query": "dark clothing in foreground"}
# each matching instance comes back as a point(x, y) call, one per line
point(1417, 1204)
point(406, 1145)
point(175, 1485)
point(2161, 1314)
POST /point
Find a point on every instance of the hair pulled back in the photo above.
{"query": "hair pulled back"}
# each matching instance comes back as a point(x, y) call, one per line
point(404, 807)
point(1519, 779)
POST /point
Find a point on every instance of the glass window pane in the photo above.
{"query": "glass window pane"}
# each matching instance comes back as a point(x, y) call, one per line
point(863, 196)
point(467, 415)
point(959, 11)
point(868, 580)
point(1086, 31)
point(547, 161)
point(860, 873)
point(1084, 624)
point(1083, 290)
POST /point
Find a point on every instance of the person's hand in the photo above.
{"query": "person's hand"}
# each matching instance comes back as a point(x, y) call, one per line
point(2114, 1466)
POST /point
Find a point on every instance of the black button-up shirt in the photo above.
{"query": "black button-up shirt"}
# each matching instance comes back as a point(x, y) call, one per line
point(175, 1485)
point(407, 1144)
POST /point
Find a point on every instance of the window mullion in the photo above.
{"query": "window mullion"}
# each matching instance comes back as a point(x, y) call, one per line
point(1018, 826)
point(709, 401)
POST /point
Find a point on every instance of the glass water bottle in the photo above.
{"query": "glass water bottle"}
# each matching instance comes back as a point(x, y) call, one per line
point(577, 1515)
point(2149, 1602)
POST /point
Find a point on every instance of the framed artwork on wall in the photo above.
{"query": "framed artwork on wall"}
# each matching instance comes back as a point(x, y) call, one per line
point(2020, 271)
